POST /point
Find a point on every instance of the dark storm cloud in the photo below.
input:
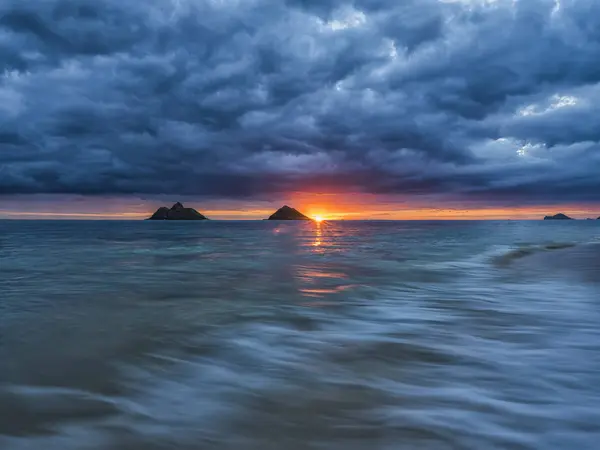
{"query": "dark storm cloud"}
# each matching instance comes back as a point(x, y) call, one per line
point(237, 98)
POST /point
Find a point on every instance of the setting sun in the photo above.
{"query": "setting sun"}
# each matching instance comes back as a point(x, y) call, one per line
point(318, 219)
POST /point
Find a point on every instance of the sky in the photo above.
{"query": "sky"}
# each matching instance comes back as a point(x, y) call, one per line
point(379, 109)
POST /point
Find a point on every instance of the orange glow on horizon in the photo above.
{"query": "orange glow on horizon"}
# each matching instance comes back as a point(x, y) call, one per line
point(358, 206)
point(73, 215)
point(320, 207)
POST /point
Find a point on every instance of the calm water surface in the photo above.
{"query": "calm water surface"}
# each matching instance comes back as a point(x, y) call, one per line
point(263, 335)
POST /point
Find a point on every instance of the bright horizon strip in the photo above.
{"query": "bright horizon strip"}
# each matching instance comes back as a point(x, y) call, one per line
point(326, 212)
point(42, 214)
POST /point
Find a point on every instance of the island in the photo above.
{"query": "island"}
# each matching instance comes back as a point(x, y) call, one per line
point(177, 212)
point(559, 216)
point(287, 213)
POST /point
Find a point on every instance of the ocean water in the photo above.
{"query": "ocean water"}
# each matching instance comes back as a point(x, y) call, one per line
point(263, 335)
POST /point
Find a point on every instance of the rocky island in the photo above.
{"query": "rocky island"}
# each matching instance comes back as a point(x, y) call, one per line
point(177, 212)
point(559, 216)
point(287, 213)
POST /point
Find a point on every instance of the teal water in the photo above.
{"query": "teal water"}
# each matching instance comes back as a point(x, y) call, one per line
point(263, 335)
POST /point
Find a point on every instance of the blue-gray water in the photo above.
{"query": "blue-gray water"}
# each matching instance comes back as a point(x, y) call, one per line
point(262, 335)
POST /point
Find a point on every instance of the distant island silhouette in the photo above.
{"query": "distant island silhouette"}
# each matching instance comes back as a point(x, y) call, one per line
point(177, 212)
point(180, 212)
point(287, 213)
point(559, 216)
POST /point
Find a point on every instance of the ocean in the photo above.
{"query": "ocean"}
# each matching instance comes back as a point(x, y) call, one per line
point(266, 335)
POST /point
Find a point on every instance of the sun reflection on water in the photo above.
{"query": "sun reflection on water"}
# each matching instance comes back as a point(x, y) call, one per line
point(318, 234)
point(320, 278)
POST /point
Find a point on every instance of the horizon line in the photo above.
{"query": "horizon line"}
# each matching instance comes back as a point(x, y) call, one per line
point(100, 218)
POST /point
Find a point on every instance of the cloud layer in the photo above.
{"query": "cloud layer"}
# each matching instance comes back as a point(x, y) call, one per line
point(474, 99)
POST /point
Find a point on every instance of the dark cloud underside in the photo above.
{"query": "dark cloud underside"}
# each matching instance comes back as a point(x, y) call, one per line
point(238, 98)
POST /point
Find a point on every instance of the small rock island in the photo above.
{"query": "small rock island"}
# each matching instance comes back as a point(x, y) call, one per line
point(177, 212)
point(287, 213)
point(559, 216)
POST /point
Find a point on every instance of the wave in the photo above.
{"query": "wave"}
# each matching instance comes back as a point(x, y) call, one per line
point(513, 255)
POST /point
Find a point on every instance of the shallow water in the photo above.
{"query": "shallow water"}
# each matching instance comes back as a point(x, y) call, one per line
point(262, 335)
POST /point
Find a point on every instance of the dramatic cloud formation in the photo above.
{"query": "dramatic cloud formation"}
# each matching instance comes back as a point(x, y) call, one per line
point(474, 99)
